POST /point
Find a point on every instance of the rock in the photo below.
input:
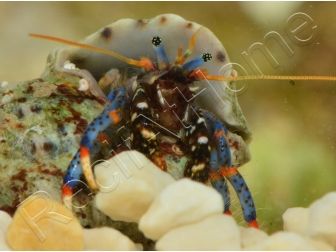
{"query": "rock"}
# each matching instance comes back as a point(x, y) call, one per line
point(128, 182)
point(322, 219)
point(217, 232)
point(181, 203)
point(296, 220)
point(251, 236)
point(321, 245)
point(5, 220)
point(284, 241)
point(43, 224)
point(106, 238)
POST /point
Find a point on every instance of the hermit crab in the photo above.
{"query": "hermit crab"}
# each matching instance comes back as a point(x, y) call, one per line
point(163, 87)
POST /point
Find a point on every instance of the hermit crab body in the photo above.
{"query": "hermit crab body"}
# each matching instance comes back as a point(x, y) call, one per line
point(163, 98)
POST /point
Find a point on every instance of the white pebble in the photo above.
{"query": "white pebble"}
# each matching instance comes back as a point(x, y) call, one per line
point(83, 85)
point(251, 236)
point(107, 238)
point(322, 219)
point(4, 84)
point(217, 232)
point(296, 220)
point(40, 223)
point(181, 203)
point(5, 220)
point(129, 182)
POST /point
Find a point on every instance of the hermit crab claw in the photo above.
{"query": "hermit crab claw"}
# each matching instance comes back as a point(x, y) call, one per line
point(133, 39)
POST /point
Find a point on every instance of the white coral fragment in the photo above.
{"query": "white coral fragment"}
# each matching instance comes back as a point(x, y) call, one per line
point(128, 182)
point(5, 220)
point(283, 241)
point(106, 238)
point(251, 237)
point(322, 219)
point(217, 232)
point(43, 224)
point(296, 220)
point(181, 203)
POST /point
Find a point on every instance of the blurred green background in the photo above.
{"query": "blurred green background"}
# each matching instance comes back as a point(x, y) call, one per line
point(293, 124)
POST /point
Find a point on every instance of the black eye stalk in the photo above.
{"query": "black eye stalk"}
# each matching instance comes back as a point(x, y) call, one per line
point(206, 57)
point(156, 41)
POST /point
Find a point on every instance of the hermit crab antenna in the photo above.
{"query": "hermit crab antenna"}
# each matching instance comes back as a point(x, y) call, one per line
point(144, 63)
point(181, 58)
point(160, 52)
point(197, 62)
point(201, 75)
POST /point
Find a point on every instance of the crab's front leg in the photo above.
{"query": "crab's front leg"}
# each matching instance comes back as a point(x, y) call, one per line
point(81, 162)
point(197, 140)
point(219, 182)
point(226, 170)
point(143, 128)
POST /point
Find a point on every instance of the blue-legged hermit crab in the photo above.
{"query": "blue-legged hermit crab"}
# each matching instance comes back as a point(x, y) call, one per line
point(175, 102)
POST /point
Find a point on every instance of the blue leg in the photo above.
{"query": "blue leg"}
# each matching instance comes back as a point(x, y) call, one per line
point(160, 52)
point(81, 163)
point(225, 169)
point(218, 182)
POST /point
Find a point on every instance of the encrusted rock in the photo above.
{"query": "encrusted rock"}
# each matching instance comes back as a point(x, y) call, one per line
point(181, 203)
point(106, 239)
point(217, 232)
point(128, 183)
point(43, 224)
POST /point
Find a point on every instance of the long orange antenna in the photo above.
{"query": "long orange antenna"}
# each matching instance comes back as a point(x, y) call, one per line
point(270, 77)
point(143, 62)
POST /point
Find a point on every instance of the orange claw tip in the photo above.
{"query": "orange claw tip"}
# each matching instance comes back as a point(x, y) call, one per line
point(66, 191)
point(253, 224)
point(228, 212)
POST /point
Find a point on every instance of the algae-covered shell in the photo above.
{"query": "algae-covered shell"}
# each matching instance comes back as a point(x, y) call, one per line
point(132, 38)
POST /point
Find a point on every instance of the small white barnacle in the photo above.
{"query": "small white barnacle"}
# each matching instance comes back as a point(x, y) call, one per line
point(4, 84)
point(69, 65)
point(83, 85)
point(202, 140)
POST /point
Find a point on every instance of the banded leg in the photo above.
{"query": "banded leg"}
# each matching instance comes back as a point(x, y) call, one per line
point(197, 167)
point(81, 162)
point(231, 173)
point(144, 133)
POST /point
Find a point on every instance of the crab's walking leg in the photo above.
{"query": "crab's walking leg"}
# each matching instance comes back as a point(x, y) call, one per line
point(81, 162)
point(231, 173)
point(219, 182)
point(197, 137)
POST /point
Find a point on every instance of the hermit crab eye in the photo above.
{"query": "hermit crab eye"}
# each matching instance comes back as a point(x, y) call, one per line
point(206, 57)
point(156, 41)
